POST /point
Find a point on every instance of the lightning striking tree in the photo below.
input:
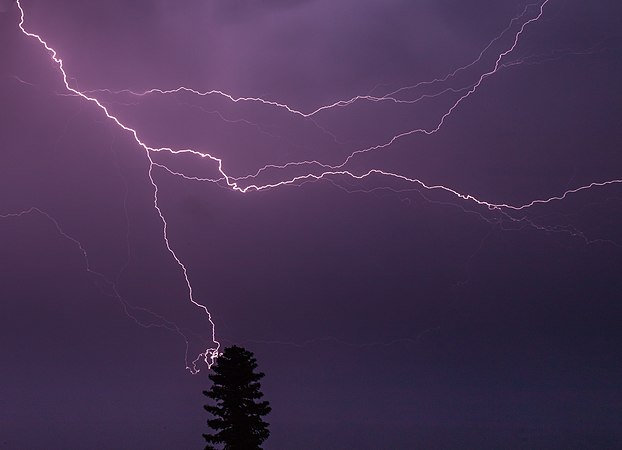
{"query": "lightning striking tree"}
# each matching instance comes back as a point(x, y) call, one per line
point(238, 413)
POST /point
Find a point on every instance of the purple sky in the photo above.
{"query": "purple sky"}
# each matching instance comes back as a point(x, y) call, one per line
point(384, 314)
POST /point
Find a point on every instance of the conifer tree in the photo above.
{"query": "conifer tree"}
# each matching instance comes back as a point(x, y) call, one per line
point(238, 412)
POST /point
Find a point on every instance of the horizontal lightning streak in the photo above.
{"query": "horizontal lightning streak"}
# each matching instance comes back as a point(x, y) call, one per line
point(340, 103)
point(447, 114)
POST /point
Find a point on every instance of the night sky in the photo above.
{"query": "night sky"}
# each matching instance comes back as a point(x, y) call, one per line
point(385, 314)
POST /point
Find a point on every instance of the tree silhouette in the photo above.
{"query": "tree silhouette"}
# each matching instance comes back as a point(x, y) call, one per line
point(238, 413)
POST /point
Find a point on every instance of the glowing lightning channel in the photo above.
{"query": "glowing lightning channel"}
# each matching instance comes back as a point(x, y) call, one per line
point(441, 122)
point(328, 171)
point(339, 103)
point(210, 354)
point(233, 182)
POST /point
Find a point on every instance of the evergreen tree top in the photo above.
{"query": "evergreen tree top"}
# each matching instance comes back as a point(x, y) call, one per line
point(236, 392)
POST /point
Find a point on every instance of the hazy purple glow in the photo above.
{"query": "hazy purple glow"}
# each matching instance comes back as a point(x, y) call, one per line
point(364, 144)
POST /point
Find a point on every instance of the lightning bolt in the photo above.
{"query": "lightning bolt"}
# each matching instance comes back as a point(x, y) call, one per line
point(312, 170)
point(210, 354)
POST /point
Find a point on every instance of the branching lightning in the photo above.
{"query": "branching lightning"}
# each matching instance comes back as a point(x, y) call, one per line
point(210, 354)
point(313, 169)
